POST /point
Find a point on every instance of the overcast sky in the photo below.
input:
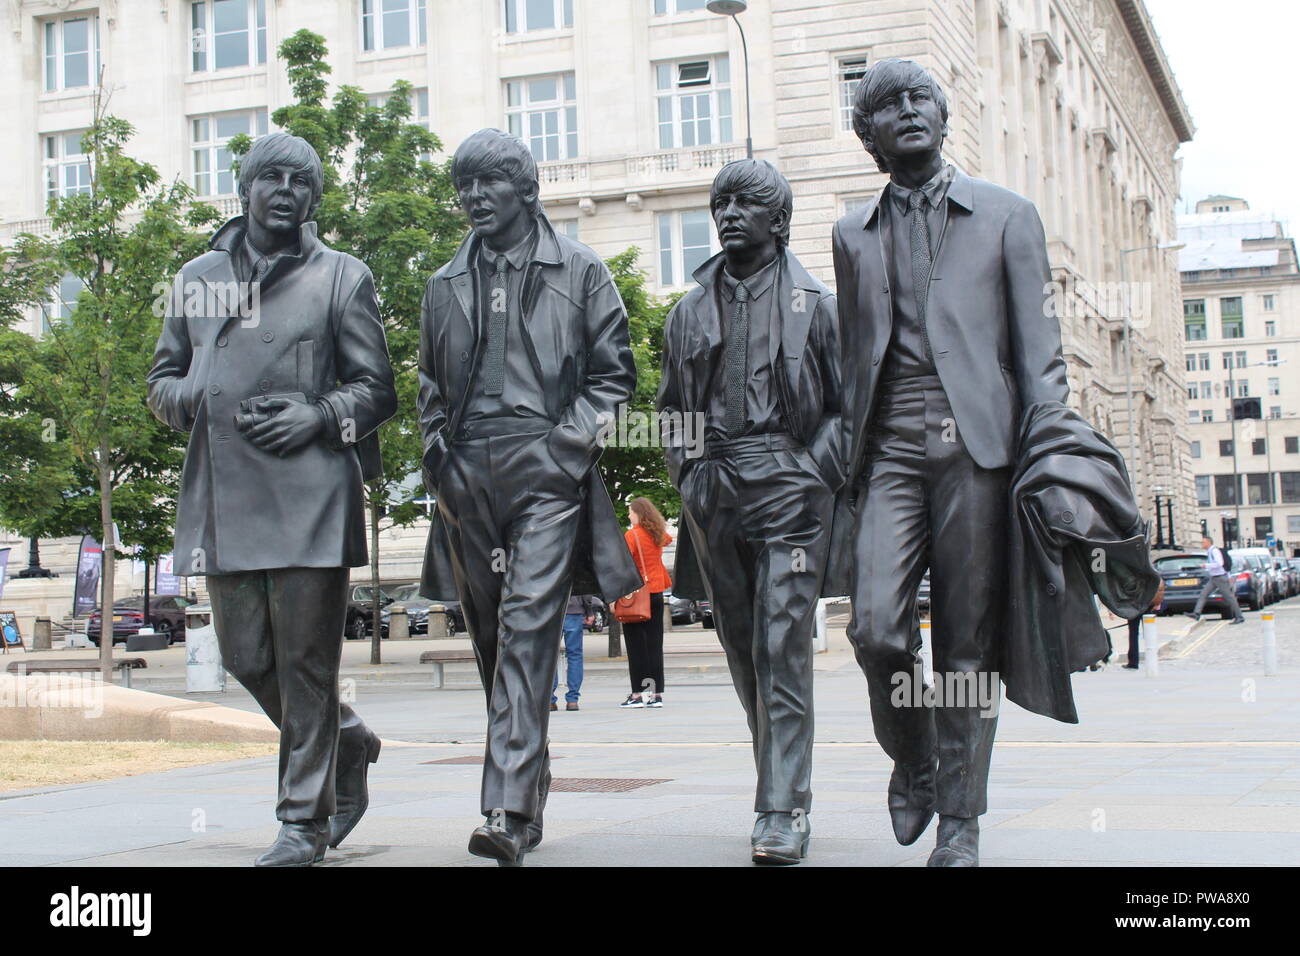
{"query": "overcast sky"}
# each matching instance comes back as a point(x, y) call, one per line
point(1236, 65)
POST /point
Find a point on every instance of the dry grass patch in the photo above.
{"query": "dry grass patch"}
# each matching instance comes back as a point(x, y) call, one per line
point(41, 763)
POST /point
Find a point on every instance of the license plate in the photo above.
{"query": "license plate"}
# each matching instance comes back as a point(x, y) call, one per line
point(1185, 582)
point(116, 618)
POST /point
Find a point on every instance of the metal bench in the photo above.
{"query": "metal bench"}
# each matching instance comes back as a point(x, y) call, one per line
point(124, 665)
point(438, 658)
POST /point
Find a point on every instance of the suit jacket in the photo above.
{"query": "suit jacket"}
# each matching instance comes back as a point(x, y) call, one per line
point(997, 348)
point(317, 331)
point(577, 342)
point(806, 359)
point(1074, 530)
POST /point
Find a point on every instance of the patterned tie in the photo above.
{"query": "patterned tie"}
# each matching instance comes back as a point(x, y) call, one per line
point(737, 362)
point(920, 260)
point(494, 358)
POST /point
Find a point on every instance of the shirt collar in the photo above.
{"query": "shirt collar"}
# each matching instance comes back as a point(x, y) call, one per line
point(517, 257)
point(757, 284)
point(935, 190)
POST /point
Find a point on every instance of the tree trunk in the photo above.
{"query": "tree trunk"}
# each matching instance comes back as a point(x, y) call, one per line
point(148, 621)
point(376, 638)
point(615, 633)
point(108, 565)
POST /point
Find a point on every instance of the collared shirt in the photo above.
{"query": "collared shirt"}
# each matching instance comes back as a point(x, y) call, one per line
point(251, 264)
point(907, 355)
point(522, 394)
point(762, 408)
point(1214, 562)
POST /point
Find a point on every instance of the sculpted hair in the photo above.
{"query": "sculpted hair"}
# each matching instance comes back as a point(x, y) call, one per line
point(490, 150)
point(881, 81)
point(759, 180)
point(282, 149)
point(651, 520)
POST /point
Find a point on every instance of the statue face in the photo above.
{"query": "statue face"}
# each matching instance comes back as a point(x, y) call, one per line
point(280, 198)
point(744, 224)
point(908, 123)
point(492, 202)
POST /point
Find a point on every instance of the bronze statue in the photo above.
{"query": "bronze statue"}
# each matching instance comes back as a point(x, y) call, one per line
point(272, 356)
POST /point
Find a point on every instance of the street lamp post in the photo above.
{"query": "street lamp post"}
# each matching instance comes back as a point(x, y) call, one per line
point(1237, 488)
point(730, 8)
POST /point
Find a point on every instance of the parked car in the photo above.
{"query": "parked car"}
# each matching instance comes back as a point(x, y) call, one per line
point(1258, 592)
point(166, 615)
point(1185, 574)
point(599, 615)
point(684, 610)
point(417, 610)
point(359, 608)
point(1289, 576)
point(923, 593)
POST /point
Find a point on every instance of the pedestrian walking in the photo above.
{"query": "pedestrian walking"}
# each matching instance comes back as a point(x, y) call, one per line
point(1217, 564)
point(579, 611)
point(646, 540)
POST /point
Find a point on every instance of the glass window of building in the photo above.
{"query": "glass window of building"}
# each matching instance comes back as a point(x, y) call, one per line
point(1267, 303)
point(1203, 491)
point(685, 239)
point(71, 52)
point(1225, 490)
point(1289, 485)
point(1270, 329)
point(211, 156)
point(225, 34)
point(849, 70)
point(1292, 444)
point(1234, 324)
point(1225, 447)
point(1194, 319)
point(1196, 449)
point(667, 7)
point(543, 112)
point(1259, 489)
point(1258, 446)
point(525, 15)
point(693, 102)
point(391, 24)
point(67, 168)
point(1270, 356)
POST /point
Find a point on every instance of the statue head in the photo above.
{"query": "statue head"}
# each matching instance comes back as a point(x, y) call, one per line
point(899, 112)
point(495, 177)
point(751, 204)
point(280, 182)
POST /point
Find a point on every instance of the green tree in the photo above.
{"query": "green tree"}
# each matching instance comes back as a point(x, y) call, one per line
point(99, 456)
point(387, 203)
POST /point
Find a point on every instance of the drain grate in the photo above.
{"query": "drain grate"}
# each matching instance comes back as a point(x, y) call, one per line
point(601, 784)
point(464, 760)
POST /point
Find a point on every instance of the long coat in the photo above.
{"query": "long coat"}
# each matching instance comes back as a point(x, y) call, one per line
point(997, 348)
point(577, 342)
point(315, 330)
point(806, 356)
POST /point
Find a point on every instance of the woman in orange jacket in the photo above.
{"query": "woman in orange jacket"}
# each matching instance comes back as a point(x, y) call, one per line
point(645, 639)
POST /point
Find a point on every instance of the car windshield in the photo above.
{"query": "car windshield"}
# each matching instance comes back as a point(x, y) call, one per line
point(406, 592)
point(1181, 562)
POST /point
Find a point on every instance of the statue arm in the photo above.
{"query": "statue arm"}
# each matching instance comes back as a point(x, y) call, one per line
point(171, 387)
point(827, 442)
point(431, 403)
point(669, 400)
point(1035, 332)
point(366, 396)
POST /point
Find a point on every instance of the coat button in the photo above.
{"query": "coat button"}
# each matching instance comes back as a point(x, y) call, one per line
point(1067, 516)
point(222, 341)
point(264, 385)
point(214, 390)
point(875, 360)
point(1051, 589)
point(268, 336)
point(464, 356)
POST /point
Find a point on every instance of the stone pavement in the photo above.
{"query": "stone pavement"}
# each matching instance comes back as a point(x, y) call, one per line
point(1200, 765)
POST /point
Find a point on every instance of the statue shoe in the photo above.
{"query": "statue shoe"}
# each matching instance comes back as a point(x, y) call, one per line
point(760, 827)
point(784, 840)
point(501, 838)
point(535, 824)
point(298, 844)
point(911, 801)
point(958, 843)
point(352, 792)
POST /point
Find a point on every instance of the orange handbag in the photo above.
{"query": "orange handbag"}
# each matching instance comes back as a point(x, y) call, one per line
point(635, 607)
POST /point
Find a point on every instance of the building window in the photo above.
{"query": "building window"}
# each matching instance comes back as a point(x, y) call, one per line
point(1267, 303)
point(543, 112)
point(686, 240)
point(848, 71)
point(1196, 449)
point(67, 168)
point(71, 52)
point(849, 203)
point(1207, 416)
point(1270, 329)
point(1203, 491)
point(527, 15)
point(1258, 446)
point(1205, 361)
point(1193, 416)
point(1225, 447)
point(1270, 356)
point(1292, 443)
point(419, 102)
point(1259, 489)
point(1290, 486)
point(1275, 411)
point(1275, 386)
point(1191, 362)
point(389, 24)
point(1225, 490)
point(566, 227)
point(669, 7)
point(1234, 359)
point(226, 34)
point(1194, 319)
point(1293, 524)
point(1234, 325)
point(1193, 391)
point(63, 300)
point(1263, 527)
point(693, 102)
point(212, 175)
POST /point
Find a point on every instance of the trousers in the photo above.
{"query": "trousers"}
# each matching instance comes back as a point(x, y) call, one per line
point(926, 503)
point(511, 516)
point(573, 654)
point(281, 636)
point(645, 649)
point(760, 521)
point(1227, 590)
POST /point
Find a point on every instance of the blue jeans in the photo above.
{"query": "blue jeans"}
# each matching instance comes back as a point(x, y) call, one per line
point(573, 651)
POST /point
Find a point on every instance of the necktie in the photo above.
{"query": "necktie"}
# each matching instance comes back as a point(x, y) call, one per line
point(737, 362)
point(494, 356)
point(920, 260)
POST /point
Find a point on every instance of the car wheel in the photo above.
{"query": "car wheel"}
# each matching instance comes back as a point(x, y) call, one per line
point(357, 629)
point(165, 630)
